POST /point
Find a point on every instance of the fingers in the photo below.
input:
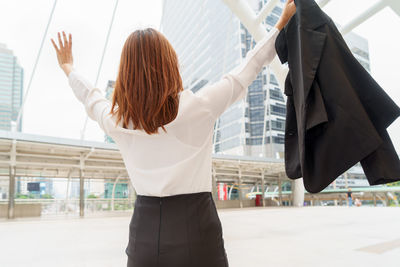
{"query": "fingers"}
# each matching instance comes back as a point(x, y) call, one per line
point(65, 40)
point(59, 41)
point(70, 40)
point(55, 46)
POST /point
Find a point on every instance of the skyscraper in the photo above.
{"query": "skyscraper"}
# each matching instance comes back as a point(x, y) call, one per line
point(11, 88)
point(210, 41)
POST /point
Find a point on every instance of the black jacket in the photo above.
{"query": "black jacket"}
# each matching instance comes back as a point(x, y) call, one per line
point(337, 114)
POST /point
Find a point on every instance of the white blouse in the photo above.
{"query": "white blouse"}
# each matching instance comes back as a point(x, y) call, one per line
point(179, 161)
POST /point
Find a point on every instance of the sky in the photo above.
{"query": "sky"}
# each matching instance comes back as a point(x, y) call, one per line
point(51, 107)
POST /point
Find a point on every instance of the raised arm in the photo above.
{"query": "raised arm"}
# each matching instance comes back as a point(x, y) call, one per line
point(96, 105)
point(233, 85)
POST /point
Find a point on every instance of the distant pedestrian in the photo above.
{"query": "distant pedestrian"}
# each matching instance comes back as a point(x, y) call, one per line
point(350, 197)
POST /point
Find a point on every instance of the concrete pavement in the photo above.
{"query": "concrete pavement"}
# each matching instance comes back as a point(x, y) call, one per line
point(257, 237)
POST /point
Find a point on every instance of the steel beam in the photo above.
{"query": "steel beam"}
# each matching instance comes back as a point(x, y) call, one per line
point(249, 19)
point(378, 6)
point(323, 3)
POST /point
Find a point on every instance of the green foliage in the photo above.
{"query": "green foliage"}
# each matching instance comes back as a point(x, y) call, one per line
point(22, 196)
point(394, 184)
point(47, 196)
point(92, 196)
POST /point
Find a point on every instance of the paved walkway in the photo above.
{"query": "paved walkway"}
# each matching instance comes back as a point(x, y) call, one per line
point(254, 237)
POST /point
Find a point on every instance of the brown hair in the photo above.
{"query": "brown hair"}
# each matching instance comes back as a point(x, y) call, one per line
point(148, 82)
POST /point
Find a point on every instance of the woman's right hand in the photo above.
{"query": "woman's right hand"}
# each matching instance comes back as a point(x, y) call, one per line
point(64, 52)
point(288, 11)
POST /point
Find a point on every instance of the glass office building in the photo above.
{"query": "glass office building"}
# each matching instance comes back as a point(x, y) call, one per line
point(11, 88)
point(210, 41)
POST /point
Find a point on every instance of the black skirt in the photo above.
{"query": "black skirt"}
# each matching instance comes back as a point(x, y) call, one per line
point(176, 231)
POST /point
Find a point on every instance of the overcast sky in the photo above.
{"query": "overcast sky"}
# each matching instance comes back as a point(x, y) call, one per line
point(52, 109)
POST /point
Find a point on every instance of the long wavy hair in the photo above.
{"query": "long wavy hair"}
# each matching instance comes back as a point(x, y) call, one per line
point(148, 83)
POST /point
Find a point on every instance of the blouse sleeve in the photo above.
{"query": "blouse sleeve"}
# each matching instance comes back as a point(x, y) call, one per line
point(96, 105)
point(233, 85)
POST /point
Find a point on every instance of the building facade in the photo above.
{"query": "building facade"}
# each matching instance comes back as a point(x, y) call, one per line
point(11, 88)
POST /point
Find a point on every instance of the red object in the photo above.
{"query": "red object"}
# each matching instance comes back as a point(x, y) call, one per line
point(258, 200)
point(222, 191)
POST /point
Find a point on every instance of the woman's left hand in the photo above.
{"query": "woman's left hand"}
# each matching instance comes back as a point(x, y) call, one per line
point(288, 11)
point(64, 52)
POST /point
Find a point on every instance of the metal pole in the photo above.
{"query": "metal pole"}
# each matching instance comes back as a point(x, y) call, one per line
point(280, 189)
point(101, 62)
point(81, 194)
point(113, 191)
point(214, 184)
point(67, 195)
point(240, 188)
point(334, 187)
point(34, 67)
point(262, 187)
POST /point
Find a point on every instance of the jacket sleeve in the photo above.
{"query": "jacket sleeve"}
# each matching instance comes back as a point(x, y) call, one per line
point(281, 46)
point(96, 105)
point(233, 85)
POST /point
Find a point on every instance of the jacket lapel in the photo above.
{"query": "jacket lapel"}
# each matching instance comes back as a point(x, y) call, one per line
point(312, 44)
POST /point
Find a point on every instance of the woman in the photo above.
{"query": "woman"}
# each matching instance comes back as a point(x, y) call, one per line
point(175, 221)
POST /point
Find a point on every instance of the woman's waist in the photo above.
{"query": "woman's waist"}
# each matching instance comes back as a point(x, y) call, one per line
point(170, 198)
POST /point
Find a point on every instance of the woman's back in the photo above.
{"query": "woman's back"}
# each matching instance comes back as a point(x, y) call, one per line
point(175, 162)
point(178, 161)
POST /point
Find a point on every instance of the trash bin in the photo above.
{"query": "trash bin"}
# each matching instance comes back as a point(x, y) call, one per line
point(258, 200)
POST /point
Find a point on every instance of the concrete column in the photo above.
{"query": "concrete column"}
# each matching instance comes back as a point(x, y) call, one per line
point(262, 187)
point(11, 193)
point(81, 194)
point(240, 188)
point(298, 193)
point(67, 195)
point(386, 200)
point(113, 192)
